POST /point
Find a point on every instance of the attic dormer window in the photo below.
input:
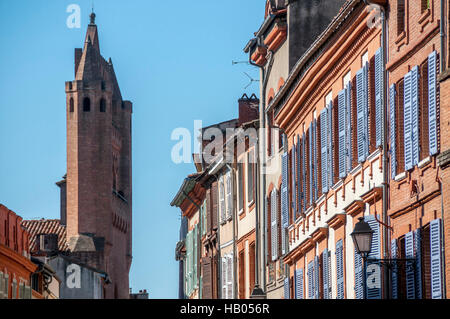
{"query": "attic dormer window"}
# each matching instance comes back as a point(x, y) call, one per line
point(86, 105)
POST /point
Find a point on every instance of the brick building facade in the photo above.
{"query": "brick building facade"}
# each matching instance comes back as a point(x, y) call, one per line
point(354, 102)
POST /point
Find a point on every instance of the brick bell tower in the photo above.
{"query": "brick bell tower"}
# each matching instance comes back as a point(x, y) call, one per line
point(98, 184)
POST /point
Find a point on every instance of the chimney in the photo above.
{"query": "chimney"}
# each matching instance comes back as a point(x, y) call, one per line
point(248, 108)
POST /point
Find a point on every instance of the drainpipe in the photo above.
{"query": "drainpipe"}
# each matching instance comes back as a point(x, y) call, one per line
point(385, 159)
point(444, 283)
point(262, 179)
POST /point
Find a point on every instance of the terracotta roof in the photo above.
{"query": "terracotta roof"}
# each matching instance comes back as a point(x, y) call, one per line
point(46, 226)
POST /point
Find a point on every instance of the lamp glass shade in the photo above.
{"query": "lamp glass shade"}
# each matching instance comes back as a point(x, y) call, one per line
point(362, 237)
point(363, 243)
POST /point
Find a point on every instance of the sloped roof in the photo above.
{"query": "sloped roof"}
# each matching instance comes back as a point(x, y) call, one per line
point(46, 226)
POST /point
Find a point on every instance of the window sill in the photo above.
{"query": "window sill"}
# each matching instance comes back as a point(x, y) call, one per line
point(400, 177)
point(241, 211)
point(424, 162)
point(425, 18)
point(401, 40)
point(250, 203)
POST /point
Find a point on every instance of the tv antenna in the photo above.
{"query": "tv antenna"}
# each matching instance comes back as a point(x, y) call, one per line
point(251, 80)
point(238, 62)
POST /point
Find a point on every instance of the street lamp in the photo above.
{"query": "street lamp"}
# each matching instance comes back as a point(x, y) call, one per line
point(362, 239)
point(257, 293)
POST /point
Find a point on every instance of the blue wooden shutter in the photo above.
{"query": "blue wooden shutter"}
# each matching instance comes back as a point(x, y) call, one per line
point(341, 128)
point(299, 283)
point(379, 69)
point(418, 257)
point(373, 283)
point(293, 180)
point(340, 269)
point(316, 162)
point(284, 202)
point(330, 145)
point(304, 164)
point(348, 126)
point(324, 148)
point(407, 129)
point(394, 276)
point(325, 274)
point(274, 223)
point(415, 114)
point(409, 253)
point(316, 277)
point(432, 107)
point(286, 288)
point(366, 109)
point(358, 277)
point(393, 131)
point(299, 176)
point(311, 175)
point(267, 227)
point(360, 121)
point(311, 280)
point(435, 251)
point(284, 191)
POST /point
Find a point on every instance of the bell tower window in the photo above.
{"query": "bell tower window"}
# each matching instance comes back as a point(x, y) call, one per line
point(71, 107)
point(86, 104)
point(102, 105)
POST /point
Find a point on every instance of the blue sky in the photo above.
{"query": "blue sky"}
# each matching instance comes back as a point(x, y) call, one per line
point(172, 60)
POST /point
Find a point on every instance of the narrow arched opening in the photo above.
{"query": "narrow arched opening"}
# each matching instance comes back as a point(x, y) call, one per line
point(86, 105)
point(102, 105)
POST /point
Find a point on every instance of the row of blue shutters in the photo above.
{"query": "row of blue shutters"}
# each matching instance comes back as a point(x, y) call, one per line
point(373, 276)
point(345, 157)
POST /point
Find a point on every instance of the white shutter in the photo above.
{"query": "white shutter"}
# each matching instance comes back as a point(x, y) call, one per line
point(1, 285)
point(222, 200)
point(230, 276)
point(229, 203)
point(224, 278)
point(274, 224)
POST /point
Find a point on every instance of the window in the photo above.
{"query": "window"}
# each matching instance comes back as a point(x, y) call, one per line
point(252, 266)
point(425, 5)
point(102, 105)
point(250, 175)
point(227, 276)
point(364, 59)
point(424, 280)
point(423, 112)
point(229, 196)
point(270, 137)
point(345, 81)
point(222, 200)
point(86, 105)
point(71, 105)
point(400, 16)
point(241, 186)
point(203, 217)
point(400, 153)
point(241, 275)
